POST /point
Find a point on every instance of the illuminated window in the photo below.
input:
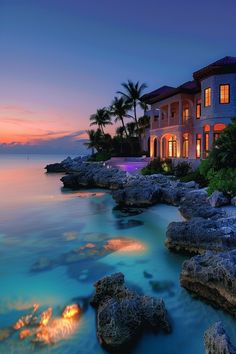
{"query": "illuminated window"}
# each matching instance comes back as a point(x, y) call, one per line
point(185, 146)
point(206, 144)
point(224, 93)
point(186, 113)
point(172, 147)
point(218, 128)
point(198, 146)
point(207, 97)
point(198, 109)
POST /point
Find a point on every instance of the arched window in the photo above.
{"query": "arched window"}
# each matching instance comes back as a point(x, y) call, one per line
point(198, 146)
point(206, 130)
point(218, 128)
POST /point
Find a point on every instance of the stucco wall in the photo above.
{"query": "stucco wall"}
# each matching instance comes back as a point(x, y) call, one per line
point(217, 110)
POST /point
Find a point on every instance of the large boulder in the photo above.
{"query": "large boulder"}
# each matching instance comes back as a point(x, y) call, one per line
point(122, 314)
point(217, 341)
point(198, 235)
point(137, 195)
point(94, 174)
point(233, 201)
point(195, 204)
point(218, 199)
point(212, 277)
point(143, 191)
point(66, 165)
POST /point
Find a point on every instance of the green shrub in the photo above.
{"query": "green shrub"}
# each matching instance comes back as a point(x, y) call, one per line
point(100, 156)
point(158, 166)
point(223, 180)
point(195, 176)
point(182, 169)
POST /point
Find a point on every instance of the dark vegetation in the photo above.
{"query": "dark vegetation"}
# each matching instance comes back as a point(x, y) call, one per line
point(127, 139)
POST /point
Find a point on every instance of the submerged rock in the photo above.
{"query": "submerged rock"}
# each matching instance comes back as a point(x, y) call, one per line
point(212, 277)
point(147, 275)
point(162, 286)
point(5, 333)
point(217, 341)
point(218, 199)
point(199, 235)
point(122, 314)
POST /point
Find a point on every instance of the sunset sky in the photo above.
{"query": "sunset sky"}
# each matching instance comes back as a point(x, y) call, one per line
point(62, 59)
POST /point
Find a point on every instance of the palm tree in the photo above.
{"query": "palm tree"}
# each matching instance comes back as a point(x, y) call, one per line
point(119, 109)
point(101, 118)
point(144, 123)
point(133, 93)
point(120, 131)
point(131, 127)
point(144, 106)
point(95, 138)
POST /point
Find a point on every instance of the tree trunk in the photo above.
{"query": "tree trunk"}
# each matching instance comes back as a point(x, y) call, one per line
point(136, 121)
point(123, 124)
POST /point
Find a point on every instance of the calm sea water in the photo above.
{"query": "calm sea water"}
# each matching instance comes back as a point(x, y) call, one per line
point(41, 222)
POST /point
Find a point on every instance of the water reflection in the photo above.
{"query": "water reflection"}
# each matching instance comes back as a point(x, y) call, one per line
point(55, 244)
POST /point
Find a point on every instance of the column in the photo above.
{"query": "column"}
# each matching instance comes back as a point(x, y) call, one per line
point(159, 119)
point(180, 112)
point(169, 114)
point(202, 144)
point(179, 139)
point(152, 137)
point(211, 135)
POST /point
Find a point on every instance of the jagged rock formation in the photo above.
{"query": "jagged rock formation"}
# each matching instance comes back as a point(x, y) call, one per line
point(196, 204)
point(122, 314)
point(66, 165)
point(212, 277)
point(218, 199)
point(217, 341)
point(148, 190)
point(94, 174)
point(198, 235)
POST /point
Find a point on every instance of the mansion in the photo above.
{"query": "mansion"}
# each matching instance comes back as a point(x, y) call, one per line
point(186, 120)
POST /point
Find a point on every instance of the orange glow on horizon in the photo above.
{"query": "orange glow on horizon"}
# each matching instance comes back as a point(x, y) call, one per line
point(20, 125)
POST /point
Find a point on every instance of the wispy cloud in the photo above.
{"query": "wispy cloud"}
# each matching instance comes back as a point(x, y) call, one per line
point(50, 142)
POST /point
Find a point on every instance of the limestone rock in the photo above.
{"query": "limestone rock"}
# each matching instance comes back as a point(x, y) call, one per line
point(122, 314)
point(212, 277)
point(198, 235)
point(195, 204)
point(218, 199)
point(233, 201)
point(217, 341)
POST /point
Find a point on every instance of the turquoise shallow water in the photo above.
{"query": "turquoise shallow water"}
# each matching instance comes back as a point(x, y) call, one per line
point(40, 220)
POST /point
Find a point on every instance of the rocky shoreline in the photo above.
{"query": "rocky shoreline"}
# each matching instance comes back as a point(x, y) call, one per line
point(207, 232)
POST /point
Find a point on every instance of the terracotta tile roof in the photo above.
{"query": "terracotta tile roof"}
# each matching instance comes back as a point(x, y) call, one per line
point(222, 66)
